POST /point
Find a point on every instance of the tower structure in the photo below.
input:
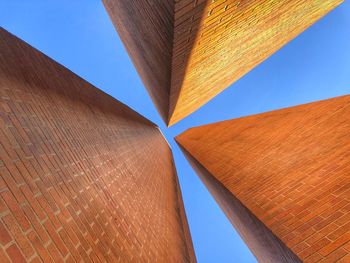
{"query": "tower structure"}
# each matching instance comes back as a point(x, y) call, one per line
point(188, 51)
point(82, 176)
point(282, 178)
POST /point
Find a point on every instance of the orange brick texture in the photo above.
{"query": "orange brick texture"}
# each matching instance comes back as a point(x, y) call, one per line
point(290, 168)
point(194, 49)
point(265, 246)
point(83, 177)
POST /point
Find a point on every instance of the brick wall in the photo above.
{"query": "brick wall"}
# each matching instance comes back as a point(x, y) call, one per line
point(217, 42)
point(188, 51)
point(83, 177)
point(264, 245)
point(146, 29)
point(291, 169)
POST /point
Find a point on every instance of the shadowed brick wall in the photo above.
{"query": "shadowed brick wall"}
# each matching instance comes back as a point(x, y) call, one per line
point(290, 168)
point(83, 177)
point(188, 51)
point(146, 29)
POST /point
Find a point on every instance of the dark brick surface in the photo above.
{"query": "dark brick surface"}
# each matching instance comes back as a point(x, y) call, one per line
point(146, 29)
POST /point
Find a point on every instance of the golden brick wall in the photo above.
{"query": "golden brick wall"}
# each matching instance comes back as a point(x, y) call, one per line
point(83, 177)
point(217, 42)
point(188, 51)
point(291, 169)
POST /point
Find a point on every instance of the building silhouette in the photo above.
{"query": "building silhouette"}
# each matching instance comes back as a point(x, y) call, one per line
point(282, 178)
point(83, 177)
point(188, 51)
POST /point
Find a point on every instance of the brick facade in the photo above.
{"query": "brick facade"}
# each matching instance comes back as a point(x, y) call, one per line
point(188, 51)
point(146, 28)
point(265, 246)
point(290, 168)
point(83, 177)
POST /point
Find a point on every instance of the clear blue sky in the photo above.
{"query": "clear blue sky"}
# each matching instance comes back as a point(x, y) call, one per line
point(80, 35)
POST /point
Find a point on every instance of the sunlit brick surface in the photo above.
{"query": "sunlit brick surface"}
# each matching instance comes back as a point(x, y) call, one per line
point(194, 49)
point(83, 177)
point(291, 169)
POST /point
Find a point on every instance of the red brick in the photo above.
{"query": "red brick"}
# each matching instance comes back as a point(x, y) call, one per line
point(36, 224)
point(36, 260)
point(345, 259)
point(314, 248)
point(14, 254)
point(347, 246)
point(39, 247)
point(54, 253)
point(328, 220)
point(3, 207)
point(11, 184)
point(300, 247)
point(336, 244)
point(16, 210)
point(11, 224)
point(4, 235)
point(3, 256)
point(343, 220)
point(339, 232)
point(322, 233)
point(335, 256)
point(314, 258)
point(33, 202)
point(56, 239)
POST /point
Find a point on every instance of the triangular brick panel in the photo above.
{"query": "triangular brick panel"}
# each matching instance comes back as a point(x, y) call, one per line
point(82, 176)
point(290, 169)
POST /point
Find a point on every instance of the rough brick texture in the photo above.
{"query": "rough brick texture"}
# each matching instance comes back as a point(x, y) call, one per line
point(193, 49)
point(290, 168)
point(83, 177)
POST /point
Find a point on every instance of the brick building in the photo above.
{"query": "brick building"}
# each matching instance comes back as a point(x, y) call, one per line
point(282, 178)
point(83, 177)
point(188, 51)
